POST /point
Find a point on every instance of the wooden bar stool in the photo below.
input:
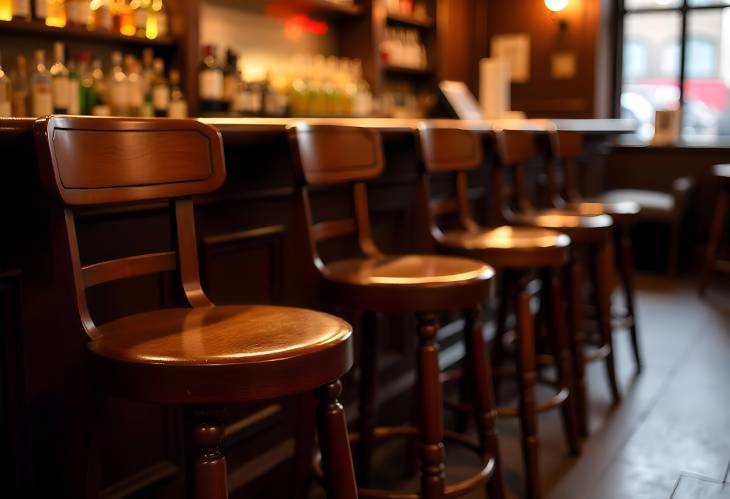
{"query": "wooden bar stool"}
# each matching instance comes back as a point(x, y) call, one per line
point(565, 149)
point(200, 356)
point(424, 285)
point(719, 225)
point(591, 234)
point(517, 252)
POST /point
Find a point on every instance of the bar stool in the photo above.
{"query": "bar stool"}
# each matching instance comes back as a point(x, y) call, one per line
point(424, 285)
point(591, 234)
point(516, 252)
point(565, 149)
point(203, 355)
point(712, 261)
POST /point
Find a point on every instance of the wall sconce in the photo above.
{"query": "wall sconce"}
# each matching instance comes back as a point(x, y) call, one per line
point(558, 6)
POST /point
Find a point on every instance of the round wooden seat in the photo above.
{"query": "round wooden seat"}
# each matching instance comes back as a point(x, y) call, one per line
point(510, 247)
point(620, 211)
point(722, 172)
point(206, 354)
point(415, 283)
point(580, 228)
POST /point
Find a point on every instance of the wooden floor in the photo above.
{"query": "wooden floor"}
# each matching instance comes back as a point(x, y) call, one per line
point(674, 418)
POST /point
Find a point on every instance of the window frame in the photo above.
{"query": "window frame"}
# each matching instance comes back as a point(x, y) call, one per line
point(684, 9)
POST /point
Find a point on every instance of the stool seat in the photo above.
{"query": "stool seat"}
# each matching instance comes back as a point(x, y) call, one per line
point(207, 354)
point(722, 172)
point(651, 203)
point(408, 282)
point(580, 228)
point(619, 210)
point(510, 247)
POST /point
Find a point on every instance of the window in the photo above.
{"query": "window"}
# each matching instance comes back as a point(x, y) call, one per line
point(676, 53)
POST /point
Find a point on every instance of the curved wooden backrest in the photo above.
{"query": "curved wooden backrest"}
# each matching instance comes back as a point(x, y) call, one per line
point(90, 161)
point(514, 147)
point(566, 145)
point(331, 154)
point(449, 149)
point(94, 161)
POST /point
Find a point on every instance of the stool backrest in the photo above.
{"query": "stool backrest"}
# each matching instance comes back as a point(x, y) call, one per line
point(448, 150)
point(330, 155)
point(565, 149)
point(99, 161)
point(514, 149)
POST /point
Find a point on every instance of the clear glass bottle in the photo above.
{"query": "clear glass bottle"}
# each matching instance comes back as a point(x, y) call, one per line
point(56, 13)
point(6, 93)
point(40, 10)
point(21, 88)
point(160, 12)
point(140, 8)
point(101, 14)
point(178, 105)
point(135, 91)
point(74, 89)
point(59, 75)
point(118, 89)
point(211, 82)
point(87, 92)
point(160, 90)
point(21, 10)
point(100, 106)
point(41, 87)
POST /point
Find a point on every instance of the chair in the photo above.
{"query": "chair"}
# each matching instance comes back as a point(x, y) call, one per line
point(199, 356)
point(591, 237)
point(719, 225)
point(517, 252)
point(424, 285)
point(565, 149)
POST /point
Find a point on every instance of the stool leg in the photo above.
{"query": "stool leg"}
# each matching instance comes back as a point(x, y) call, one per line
point(339, 473)
point(527, 376)
point(485, 412)
point(626, 273)
point(602, 267)
point(716, 229)
point(433, 477)
point(209, 467)
point(505, 296)
point(368, 395)
point(562, 354)
point(574, 280)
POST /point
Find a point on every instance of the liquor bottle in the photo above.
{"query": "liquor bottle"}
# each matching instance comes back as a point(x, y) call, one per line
point(160, 12)
point(6, 92)
point(77, 12)
point(74, 89)
point(136, 85)
point(127, 22)
point(211, 82)
point(21, 87)
point(6, 10)
point(118, 88)
point(40, 10)
point(276, 98)
point(87, 93)
point(56, 13)
point(140, 8)
point(41, 92)
point(160, 90)
point(100, 106)
point(21, 9)
point(59, 77)
point(101, 14)
point(231, 76)
point(178, 106)
point(148, 71)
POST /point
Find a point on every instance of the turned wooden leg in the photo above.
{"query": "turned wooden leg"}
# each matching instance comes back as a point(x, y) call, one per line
point(431, 430)
point(716, 230)
point(368, 396)
point(209, 465)
point(485, 412)
point(527, 376)
point(561, 350)
point(503, 308)
point(304, 445)
point(602, 267)
point(574, 279)
point(625, 259)
point(339, 473)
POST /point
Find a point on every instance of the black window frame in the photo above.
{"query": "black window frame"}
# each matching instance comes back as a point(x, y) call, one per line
point(684, 9)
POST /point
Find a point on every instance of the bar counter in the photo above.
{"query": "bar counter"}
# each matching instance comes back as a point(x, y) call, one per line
point(252, 250)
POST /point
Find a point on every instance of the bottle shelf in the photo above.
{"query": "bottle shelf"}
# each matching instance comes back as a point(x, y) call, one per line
point(36, 28)
point(323, 7)
point(419, 22)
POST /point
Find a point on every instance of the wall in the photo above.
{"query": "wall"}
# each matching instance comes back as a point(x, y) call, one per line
point(253, 34)
point(544, 96)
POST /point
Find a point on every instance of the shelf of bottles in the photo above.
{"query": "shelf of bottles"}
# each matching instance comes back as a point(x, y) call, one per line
point(408, 12)
point(129, 86)
point(142, 21)
point(302, 85)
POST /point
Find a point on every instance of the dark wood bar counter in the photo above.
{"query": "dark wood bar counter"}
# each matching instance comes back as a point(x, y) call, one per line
point(252, 244)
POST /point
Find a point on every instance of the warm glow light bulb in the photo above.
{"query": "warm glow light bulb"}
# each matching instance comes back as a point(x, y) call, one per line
point(556, 5)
